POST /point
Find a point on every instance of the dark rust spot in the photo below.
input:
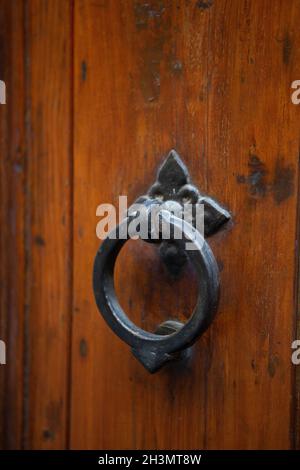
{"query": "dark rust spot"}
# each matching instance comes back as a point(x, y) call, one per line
point(204, 4)
point(145, 12)
point(151, 17)
point(83, 348)
point(48, 435)
point(176, 67)
point(283, 184)
point(256, 179)
point(53, 417)
point(150, 72)
point(272, 366)
point(241, 179)
point(39, 240)
point(286, 49)
point(18, 167)
point(83, 70)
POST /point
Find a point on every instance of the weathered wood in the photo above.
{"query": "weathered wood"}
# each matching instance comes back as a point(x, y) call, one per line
point(213, 81)
point(253, 164)
point(12, 219)
point(48, 225)
point(131, 100)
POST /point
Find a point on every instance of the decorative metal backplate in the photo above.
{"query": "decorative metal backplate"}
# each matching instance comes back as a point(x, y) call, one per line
point(174, 184)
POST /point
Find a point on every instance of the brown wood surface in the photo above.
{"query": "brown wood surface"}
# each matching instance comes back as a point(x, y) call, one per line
point(12, 250)
point(37, 240)
point(49, 235)
point(101, 91)
point(214, 83)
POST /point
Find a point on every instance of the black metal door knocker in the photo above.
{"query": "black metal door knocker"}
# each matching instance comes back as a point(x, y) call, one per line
point(166, 199)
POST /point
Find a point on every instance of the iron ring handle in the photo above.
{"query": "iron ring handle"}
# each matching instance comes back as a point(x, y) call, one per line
point(154, 350)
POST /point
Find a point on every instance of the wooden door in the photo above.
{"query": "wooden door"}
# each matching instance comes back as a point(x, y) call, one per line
point(98, 92)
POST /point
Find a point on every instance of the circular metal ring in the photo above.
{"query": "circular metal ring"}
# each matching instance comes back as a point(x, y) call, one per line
point(153, 350)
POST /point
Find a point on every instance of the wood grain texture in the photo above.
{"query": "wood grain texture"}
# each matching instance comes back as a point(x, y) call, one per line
point(253, 159)
point(126, 99)
point(120, 84)
point(48, 222)
point(12, 220)
point(213, 81)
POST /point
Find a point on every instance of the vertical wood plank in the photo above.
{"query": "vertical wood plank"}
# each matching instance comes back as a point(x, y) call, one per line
point(253, 146)
point(212, 81)
point(49, 192)
point(12, 220)
point(132, 60)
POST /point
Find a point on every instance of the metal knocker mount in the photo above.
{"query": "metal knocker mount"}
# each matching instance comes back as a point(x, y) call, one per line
point(166, 200)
